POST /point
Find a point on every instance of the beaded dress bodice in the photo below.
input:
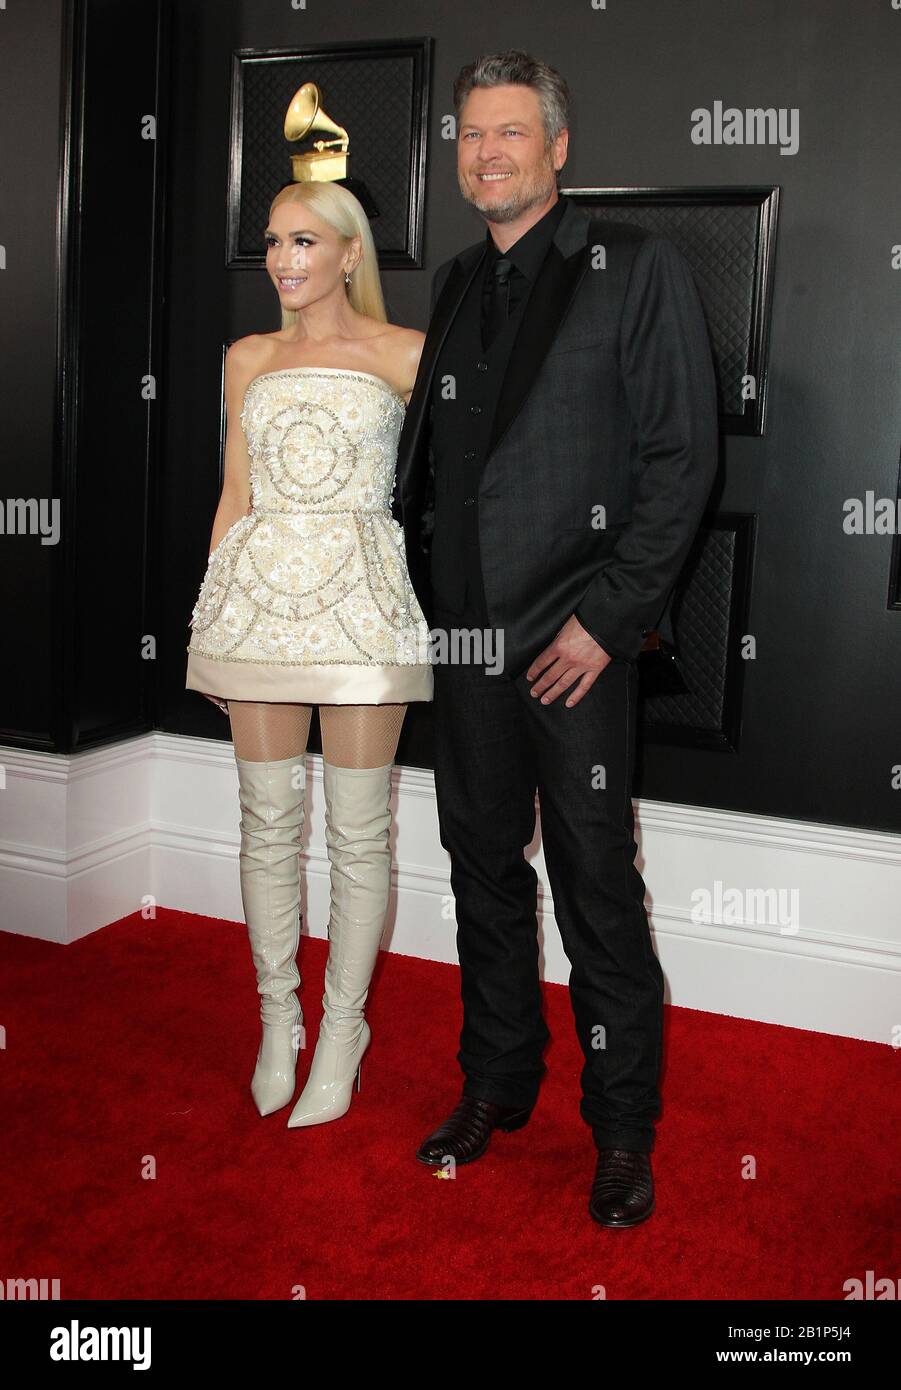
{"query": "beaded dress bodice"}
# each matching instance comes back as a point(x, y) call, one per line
point(316, 571)
point(321, 440)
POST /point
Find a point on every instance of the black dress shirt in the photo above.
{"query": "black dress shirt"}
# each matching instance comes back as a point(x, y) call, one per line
point(526, 255)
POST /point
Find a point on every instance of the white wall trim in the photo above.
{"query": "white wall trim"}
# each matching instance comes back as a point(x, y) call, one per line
point(88, 839)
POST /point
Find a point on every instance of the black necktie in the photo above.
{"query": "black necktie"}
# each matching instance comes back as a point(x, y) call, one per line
point(498, 299)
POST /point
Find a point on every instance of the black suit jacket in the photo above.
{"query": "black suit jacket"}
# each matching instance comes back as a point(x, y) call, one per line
point(609, 401)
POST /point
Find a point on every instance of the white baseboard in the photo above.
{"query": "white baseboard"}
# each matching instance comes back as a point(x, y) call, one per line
point(88, 839)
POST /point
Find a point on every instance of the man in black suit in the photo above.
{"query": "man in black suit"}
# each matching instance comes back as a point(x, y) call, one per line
point(557, 454)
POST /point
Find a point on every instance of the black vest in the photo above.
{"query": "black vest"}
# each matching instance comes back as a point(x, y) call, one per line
point(461, 429)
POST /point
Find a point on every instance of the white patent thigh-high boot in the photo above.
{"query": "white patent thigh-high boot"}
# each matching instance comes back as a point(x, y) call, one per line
point(272, 816)
point(357, 825)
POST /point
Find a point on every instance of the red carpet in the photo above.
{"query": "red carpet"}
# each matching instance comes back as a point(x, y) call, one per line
point(135, 1047)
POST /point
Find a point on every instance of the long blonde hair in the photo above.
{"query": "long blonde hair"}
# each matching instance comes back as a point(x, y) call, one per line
point(343, 212)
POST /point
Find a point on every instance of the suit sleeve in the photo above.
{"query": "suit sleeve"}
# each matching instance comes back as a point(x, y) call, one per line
point(670, 389)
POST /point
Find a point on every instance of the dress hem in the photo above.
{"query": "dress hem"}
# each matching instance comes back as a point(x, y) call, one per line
point(334, 684)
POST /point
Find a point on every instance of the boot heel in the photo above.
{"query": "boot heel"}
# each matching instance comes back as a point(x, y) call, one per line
point(359, 1074)
point(515, 1121)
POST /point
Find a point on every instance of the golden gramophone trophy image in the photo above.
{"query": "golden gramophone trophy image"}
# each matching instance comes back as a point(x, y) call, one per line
point(355, 114)
point(306, 117)
point(326, 161)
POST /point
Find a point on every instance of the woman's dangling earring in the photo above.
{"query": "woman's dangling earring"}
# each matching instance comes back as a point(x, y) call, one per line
point(346, 278)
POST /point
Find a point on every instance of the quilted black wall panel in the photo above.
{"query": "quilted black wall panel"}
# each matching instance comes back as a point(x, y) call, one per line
point(728, 237)
point(710, 622)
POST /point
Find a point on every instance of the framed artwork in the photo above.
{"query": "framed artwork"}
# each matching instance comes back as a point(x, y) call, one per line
point(710, 619)
point(376, 94)
point(728, 237)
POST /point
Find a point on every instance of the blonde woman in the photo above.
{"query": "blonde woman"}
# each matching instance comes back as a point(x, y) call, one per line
point(307, 600)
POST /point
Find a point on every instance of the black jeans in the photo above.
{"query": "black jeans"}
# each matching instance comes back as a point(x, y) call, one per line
point(495, 744)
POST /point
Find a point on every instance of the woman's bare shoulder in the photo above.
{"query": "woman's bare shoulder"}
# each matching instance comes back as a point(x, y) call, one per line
point(247, 350)
point(405, 346)
point(247, 357)
point(411, 336)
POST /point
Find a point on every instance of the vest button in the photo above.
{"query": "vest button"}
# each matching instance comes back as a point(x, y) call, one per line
point(482, 366)
point(475, 409)
point(468, 501)
point(470, 454)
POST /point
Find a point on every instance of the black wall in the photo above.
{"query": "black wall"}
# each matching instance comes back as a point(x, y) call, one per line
point(30, 67)
point(82, 210)
point(821, 729)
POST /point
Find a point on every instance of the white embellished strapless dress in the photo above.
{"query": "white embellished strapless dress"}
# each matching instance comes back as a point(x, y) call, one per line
point(308, 598)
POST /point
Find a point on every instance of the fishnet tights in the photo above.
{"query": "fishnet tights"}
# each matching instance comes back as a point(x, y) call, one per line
point(352, 735)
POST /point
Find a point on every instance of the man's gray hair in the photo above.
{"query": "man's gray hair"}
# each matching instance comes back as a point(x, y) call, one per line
point(497, 69)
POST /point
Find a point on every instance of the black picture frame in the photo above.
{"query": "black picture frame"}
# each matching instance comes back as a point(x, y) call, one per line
point(728, 236)
point(223, 417)
point(709, 652)
point(894, 579)
point(388, 149)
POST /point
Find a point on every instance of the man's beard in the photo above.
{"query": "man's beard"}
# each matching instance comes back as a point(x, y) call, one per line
point(537, 191)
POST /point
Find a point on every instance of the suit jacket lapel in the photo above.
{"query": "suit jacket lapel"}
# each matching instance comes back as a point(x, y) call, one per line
point(551, 296)
point(416, 416)
point(553, 292)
